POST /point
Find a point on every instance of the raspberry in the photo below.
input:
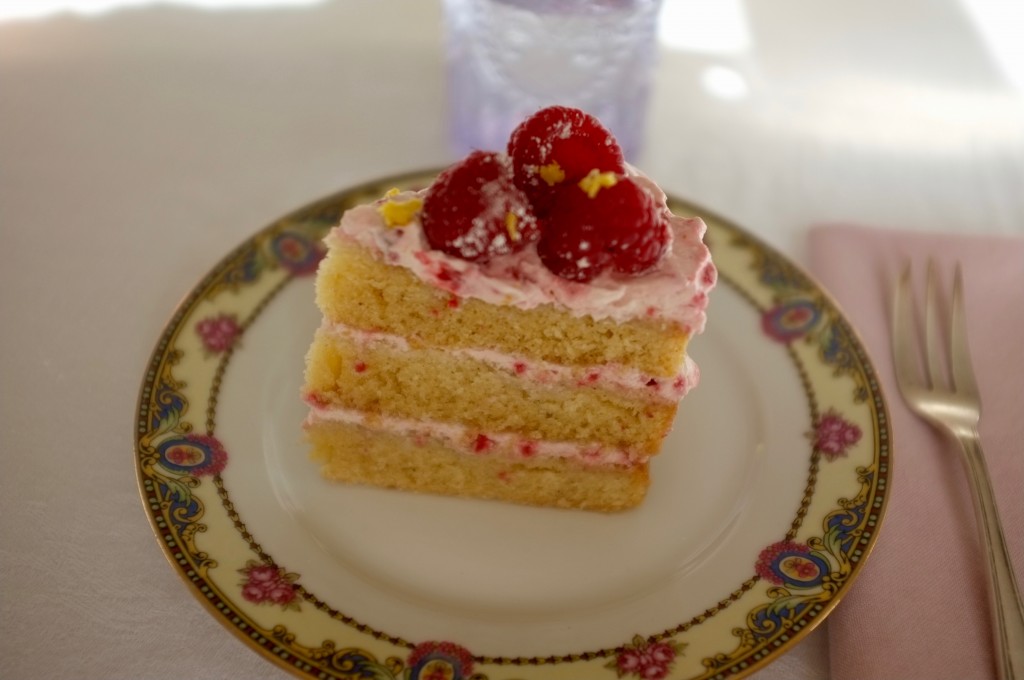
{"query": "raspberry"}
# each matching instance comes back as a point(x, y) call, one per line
point(604, 221)
point(573, 244)
point(640, 251)
point(559, 146)
point(473, 210)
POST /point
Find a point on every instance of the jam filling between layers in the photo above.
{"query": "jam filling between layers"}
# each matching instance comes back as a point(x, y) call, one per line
point(474, 443)
point(608, 377)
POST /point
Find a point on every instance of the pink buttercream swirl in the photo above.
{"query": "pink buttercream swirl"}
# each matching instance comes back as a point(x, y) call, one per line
point(676, 290)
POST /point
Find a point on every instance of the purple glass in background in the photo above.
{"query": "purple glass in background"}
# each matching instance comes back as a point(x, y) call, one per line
point(508, 58)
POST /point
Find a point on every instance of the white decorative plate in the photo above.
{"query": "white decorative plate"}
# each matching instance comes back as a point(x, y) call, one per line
point(763, 505)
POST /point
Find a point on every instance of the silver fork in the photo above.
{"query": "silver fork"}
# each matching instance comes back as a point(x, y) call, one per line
point(954, 406)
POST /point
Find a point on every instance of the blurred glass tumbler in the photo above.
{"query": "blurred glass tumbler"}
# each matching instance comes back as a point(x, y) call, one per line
point(508, 58)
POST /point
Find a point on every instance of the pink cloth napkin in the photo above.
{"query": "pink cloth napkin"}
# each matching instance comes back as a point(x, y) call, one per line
point(919, 609)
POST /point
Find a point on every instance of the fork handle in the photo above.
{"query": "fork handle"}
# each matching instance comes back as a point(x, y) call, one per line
point(1007, 608)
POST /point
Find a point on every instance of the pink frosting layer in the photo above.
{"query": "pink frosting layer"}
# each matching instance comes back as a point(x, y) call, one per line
point(461, 439)
point(676, 290)
point(611, 376)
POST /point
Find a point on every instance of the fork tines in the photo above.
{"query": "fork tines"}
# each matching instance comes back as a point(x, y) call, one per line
point(905, 334)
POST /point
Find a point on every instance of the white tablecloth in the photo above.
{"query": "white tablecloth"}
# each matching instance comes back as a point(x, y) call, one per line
point(139, 146)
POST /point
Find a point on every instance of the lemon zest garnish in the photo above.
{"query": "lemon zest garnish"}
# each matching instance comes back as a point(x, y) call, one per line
point(512, 224)
point(597, 180)
point(551, 173)
point(398, 213)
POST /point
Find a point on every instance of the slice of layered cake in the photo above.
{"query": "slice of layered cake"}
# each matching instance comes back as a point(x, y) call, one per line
point(516, 331)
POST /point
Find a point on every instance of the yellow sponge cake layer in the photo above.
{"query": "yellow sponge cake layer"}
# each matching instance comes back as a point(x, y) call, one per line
point(357, 290)
point(438, 385)
point(355, 454)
